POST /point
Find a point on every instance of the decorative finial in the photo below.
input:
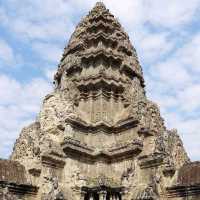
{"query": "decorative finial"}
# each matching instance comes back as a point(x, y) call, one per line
point(100, 6)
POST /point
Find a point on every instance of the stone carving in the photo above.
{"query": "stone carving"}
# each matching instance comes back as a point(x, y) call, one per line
point(102, 180)
point(151, 121)
point(155, 122)
point(147, 193)
point(97, 135)
point(27, 141)
point(68, 132)
point(160, 145)
point(70, 94)
point(7, 195)
point(55, 193)
point(176, 149)
point(128, 175)
point(27, 147)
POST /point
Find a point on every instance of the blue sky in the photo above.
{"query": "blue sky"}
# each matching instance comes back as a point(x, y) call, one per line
point(166, 35)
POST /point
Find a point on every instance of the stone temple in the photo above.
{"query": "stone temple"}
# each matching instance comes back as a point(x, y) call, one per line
point(97, 136)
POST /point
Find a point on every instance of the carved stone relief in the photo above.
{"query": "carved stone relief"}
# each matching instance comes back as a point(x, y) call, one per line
point(55, 192)
point(7, 195)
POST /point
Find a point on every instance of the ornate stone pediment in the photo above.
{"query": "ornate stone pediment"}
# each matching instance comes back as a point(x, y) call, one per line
point(146, 194)
point(102, 181)
point(109, 154)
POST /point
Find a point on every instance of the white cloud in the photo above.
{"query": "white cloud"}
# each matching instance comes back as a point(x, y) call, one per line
point(49, 22)
point(166, 13)
point(38, 20)
point(49, 73)
point(6, 53)
point(174, 84)
point(172, 74)
point(19, 104)
point(44, 30)
point(170, 13)
point(153, 46)
point(130, 12)
point(189, 98)
point(188, 129)
point(47, 51)
point(188, 55)
point(177, 72)
point(57, 24)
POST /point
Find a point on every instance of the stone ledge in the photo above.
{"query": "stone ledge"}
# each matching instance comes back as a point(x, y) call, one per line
point(152, 160)
point(103, 126)
point(107, 155)
point(19, 188)
point(183, 191)
point(53, 160)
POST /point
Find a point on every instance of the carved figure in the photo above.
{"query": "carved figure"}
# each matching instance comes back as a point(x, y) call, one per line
point(55, 193)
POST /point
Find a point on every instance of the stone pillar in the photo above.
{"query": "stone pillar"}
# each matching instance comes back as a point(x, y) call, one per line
point(117, 197)
point(102, 195)
point(83, 195)
point(125, 194)
point(91, 197)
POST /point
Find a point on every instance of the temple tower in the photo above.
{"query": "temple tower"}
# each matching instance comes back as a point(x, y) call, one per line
point(97, 136)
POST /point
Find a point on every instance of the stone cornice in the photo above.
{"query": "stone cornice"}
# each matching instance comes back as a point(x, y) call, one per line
point(183, 191)
point(102, 125)
point(108, 53)
point(112, 154)
point(72, 48)
point(53, 160)
point(16, 188)
point(85, 82)
point(106, 17)
point(152, 160)
point(95, 25)
point(102, 35)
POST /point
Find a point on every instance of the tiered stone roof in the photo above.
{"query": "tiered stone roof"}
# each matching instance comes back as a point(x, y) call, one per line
point(100, 35)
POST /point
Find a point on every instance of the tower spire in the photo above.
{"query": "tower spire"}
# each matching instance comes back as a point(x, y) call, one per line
point(102, 64)
point(97, 135)
point(99, 6)
point(101, 27)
